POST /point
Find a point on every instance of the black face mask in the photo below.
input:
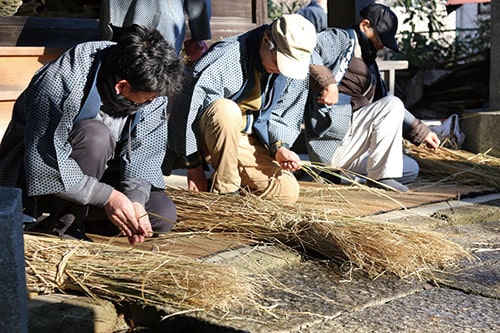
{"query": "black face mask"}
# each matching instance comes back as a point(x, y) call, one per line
point(113, 104)
point(368, 50)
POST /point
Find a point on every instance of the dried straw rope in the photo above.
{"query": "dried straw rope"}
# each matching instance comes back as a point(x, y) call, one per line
point(373, 246)
point(125, 275)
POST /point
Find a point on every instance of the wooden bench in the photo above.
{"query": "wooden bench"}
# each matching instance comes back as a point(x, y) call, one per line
point(388, 70)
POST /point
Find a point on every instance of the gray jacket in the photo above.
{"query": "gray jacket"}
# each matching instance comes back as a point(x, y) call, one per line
point(326, 126)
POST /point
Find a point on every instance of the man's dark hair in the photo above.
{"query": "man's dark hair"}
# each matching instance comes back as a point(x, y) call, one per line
point(148, 62)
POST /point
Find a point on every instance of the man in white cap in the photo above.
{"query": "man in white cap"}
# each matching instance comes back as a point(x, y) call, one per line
point(363, 130)
point(242, 110)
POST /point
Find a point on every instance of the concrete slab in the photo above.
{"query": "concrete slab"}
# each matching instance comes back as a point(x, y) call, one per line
point(256, 259)
point(70, 313)
point(310, 292)
point(483, 208)
point(482, 279)
point(482, 276)
point(473, 224)
point(434, 310)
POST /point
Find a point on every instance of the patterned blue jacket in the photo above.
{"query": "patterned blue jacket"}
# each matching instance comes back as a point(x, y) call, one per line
point(326, 126)
point(225, 71)
point(36, 140)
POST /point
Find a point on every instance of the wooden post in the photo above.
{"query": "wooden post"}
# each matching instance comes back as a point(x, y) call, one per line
point(495, 53)
point(343, 13)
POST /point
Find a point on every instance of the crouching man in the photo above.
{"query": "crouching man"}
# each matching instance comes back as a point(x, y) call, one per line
point(89, 133)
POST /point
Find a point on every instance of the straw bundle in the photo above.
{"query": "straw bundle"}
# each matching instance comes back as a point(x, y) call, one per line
point(373, 246)
point(123, 275)
point(382, 247)
point(459, 165)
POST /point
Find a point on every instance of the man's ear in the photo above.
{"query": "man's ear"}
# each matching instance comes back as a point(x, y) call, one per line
point(364, 25)
point(271, 45)
point(121, 85)
point(266, 40)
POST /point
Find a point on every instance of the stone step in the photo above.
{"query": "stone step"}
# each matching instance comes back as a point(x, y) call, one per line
point(17, 66)
point(482, 133)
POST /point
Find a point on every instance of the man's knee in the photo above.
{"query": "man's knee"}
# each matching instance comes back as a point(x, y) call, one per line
point(223, 111)
point(292, 189)
point(93, 138)
point(394, 106)
point(164, 212)
point(285, 188)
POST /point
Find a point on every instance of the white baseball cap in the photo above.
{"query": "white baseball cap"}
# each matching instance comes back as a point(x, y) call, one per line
point(295, 39)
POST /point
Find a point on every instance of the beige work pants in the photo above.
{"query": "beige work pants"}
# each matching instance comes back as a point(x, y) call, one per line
point(240, 160)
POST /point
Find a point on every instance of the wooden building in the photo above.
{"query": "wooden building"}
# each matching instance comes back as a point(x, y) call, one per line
point(28, 42)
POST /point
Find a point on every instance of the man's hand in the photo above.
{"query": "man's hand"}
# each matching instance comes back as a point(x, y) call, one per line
point(432, 141)
point(145, 229)
point(122, 213)
point(329, 95)
point(195, 49)
point(197, 180)
point(287, 159)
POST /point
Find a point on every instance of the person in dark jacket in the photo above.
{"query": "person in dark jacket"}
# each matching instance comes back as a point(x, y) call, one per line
point(316, 12)
point(363, 130)
point(89, 134)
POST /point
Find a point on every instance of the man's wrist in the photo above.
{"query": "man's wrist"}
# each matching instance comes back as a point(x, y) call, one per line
point(277, 145)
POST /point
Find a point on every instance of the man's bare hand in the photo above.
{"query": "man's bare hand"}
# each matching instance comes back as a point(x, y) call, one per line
point(287, 159)
point(197, 180)
point(329, 95)
point(432, 141)
point(121, 212)
point(144, 230)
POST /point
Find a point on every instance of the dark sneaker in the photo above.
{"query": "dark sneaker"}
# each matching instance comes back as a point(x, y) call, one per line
point(231, 194)
point(69, 226)
point(42, 225)
point(388, 184)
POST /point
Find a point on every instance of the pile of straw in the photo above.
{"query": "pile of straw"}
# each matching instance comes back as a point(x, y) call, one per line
point(457, 165)
point(373, 246)
point(128, 275)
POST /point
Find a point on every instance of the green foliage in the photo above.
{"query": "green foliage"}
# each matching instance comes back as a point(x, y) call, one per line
point(273, 10)
point(438, 48)
point(276, 9)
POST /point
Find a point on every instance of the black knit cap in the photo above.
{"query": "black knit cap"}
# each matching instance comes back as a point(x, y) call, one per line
point(384, 22)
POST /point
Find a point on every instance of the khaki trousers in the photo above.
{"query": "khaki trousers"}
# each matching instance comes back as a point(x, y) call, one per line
point(240, 160)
